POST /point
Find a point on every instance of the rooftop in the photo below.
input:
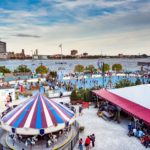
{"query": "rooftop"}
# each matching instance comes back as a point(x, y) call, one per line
point(137, 94)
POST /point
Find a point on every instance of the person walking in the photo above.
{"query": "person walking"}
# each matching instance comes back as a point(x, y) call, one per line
point(93, 139)
point(10, 98)
point(87, 143)
point(81, 144)
point(80, 110)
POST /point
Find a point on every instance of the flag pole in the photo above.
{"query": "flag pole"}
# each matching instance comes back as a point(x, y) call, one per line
point(61, 51)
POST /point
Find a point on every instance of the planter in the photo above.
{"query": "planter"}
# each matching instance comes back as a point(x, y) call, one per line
point(81, 128)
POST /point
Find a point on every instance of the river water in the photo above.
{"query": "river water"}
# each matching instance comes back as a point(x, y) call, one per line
point(128, 64)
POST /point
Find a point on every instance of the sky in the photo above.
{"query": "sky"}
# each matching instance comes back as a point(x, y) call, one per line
point(107, 27)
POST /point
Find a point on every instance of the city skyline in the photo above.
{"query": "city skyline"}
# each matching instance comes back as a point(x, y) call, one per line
point(92, 26)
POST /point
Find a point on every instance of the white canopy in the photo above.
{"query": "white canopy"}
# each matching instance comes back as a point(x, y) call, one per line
point(139, 94)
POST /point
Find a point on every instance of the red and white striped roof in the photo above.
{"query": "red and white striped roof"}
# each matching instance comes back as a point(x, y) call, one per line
point(38, 113)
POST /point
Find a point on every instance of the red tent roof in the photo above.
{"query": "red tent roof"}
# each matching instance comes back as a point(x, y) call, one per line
point(131, 107)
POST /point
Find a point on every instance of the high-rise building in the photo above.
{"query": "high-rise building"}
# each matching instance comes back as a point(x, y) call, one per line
point(2, 47)
point(36, 52)
point(23, 52)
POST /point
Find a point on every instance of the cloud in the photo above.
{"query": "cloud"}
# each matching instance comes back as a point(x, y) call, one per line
point(27, 35)
point(85, 25)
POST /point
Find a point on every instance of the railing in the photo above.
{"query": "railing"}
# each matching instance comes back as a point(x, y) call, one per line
point(70, 145)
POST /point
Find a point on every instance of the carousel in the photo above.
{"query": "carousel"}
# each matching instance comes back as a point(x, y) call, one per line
point(38, 122)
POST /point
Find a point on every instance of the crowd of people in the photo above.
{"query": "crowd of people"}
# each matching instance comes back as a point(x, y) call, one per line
point(4, 85)
point(140, 131)
point(89, 142)
point(50, 138)
point(136, 128)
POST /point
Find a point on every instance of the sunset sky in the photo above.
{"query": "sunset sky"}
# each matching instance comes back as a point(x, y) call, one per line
point(94, 26)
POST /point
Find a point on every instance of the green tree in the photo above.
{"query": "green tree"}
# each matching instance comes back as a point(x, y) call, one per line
point(42, 69)
point(124, 83)
point(22, 68)
point(81, 94)
point(105, 67)
point(90, 69)
point(79, 68)
point(52, 74)
point(75, 95)
point(117, 67)
point(87, 95)
point(4, 70)
point(138, 81)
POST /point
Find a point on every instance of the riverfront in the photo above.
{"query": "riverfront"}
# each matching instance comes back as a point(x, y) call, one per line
point(128, 64)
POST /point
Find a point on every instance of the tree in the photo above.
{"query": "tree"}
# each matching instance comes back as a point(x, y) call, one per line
point(75, 95)
point(138, 81)
point(79, 68)
point(87, 95)
point(4, 70)
point(106, 67)
point(124, 83)
point(90, 69)
point(144, 55)
point(52, 74)
point(116, 67)
point(42, 69)
point(81, 94)
point(22, 69)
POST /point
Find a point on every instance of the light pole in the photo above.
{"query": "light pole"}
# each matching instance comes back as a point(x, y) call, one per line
point(61, 50)
point(103, 73)
point(33, 70)
point(101, 67)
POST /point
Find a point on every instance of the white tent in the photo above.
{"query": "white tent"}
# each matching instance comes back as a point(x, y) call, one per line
point(138, 94)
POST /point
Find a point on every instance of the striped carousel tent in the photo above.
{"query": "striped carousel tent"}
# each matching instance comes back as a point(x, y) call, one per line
point(37, 115)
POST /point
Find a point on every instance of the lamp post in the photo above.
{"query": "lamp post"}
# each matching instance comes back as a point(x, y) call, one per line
point(61, 50)
point(103, 74)
point(33, 71)
point(101, 67)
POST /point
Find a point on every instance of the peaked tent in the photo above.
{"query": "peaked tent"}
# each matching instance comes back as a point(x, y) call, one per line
point(36, 114)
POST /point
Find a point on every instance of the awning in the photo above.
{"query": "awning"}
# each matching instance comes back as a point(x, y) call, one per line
point(127, 105)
